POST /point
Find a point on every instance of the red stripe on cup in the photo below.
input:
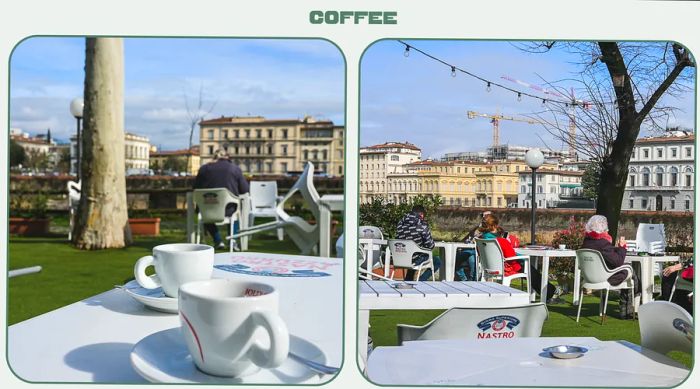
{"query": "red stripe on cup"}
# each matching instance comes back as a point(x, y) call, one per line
point(196, 338)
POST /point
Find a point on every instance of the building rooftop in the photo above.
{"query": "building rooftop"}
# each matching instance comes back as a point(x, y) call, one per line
point(164, 153)
point(260, 120)
point(675, 136)
point(390, 145)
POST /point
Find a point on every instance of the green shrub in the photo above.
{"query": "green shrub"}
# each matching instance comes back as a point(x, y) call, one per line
point(386, 215)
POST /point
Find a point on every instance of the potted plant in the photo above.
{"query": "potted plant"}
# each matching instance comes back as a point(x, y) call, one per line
point(562, 269)
point(28, 216)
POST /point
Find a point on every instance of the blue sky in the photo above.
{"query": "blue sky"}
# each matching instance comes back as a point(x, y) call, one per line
point(415, 99)
point(282, 78)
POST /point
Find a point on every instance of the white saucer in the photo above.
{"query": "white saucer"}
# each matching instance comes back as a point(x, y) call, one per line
point(163, 357)
point(152, 298)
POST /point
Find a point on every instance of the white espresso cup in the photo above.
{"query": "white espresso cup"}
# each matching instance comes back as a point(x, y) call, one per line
point(232, 327)
point(175, 265)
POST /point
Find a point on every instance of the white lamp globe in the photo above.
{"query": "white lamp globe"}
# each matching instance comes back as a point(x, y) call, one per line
point(76, 107)
point(534, 158)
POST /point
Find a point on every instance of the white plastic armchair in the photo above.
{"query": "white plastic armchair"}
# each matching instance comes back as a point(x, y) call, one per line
point(401, 252)
point(478, 323)
point(367, 235)
point(73, 201)
point(491, 260)
point(305, 235)
point(263, 200)
point(595, 274)
point(665, 327)
point(212, 204)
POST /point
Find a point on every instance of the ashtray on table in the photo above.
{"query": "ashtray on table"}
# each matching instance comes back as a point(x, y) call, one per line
point(565, 351)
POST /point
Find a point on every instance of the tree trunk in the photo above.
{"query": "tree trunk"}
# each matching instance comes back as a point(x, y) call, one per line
point(102, 219)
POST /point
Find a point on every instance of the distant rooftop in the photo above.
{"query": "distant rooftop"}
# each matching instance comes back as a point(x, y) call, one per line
point(390, 145)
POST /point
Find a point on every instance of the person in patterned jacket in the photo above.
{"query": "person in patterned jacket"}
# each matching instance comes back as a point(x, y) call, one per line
point(414, 227)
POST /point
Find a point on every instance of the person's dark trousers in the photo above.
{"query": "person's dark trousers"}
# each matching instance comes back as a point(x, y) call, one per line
point(680, 297)
point(626, 296)
point(213, 230)
point(427, 274)
point(536, 282)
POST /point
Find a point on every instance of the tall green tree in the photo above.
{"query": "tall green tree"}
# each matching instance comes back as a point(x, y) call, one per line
point(17, 154)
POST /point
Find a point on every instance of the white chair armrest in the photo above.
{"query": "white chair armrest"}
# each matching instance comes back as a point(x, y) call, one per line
point(525, 257)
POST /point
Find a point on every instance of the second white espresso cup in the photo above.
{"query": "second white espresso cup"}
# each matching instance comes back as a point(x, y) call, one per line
point(232, 327)
point(175, 265)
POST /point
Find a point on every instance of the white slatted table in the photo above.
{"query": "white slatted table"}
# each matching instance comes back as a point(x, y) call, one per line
point(379, 295)
point(520, 362)
point(447, 270)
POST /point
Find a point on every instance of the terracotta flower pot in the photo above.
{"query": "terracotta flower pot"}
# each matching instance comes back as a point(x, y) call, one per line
point(29, 226)
point(148, 226)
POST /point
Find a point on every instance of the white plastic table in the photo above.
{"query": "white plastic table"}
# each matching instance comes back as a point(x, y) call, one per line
point(380, 295)
point(546, 254)
point(329, 204)
point(447, 270)
point(370, 245)
point(520, 362)
point(90, 341)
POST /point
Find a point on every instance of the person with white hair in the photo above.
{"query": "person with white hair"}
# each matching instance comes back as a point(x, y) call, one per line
point(597, 238)
point(221, 173)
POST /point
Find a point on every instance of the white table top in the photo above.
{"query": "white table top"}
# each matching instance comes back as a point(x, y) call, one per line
point(521, 362)
point(455, 244)
point(552, 252)
point(90, 341)
point(438, 295)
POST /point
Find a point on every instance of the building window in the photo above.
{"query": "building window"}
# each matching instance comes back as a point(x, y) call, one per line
point(269, 167)
point(688, 152)
point(632, 180)
point(540, 189)
point(646, 153)
point(235, 134)
point(210, 134)
point(499, 200)
point(634, 153)
point(673, 203)
point(247, 150)
point(269, 149)
point(674, 176)
point(225, 132)
point(210, 150)
point(258, 133)
point(306, 155)
point(659, 176)
point(632, 203)
point(645, 202)
point(247, 133)
point(687, 203)
point(674, 152)
point(284, 133)
point(284, 149)
point(284, 167)
point(394, 157)
point(269, 133)
point(659, 153)
point(523, 189)
point(645, 177)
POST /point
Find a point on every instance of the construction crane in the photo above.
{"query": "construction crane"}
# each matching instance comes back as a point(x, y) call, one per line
point(571, 101)
point(495, 119)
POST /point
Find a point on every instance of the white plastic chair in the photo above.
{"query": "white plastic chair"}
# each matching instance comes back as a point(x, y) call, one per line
point(73, 201)
point(651, 238)
point(305, 235)
point(263, 200)
point(212, 204)
point(595, 274)
point(365, 233)
point(680, 284)
point(491, 259)
point(400, 252)
point(665, 327)
point(479, 323)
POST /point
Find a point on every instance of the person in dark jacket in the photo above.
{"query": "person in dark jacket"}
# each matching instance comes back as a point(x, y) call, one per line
point(466, 257)
point(414, 227)
point(597, 238)
point(221, 173)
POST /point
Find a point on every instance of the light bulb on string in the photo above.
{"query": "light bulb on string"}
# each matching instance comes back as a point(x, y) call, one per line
point(406, 52)
point(520, 97)
point(544, 103)
point(454, 72)
point(488, 86)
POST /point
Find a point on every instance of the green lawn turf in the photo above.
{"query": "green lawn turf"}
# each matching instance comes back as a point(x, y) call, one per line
point(561, 322)
point(69, 275)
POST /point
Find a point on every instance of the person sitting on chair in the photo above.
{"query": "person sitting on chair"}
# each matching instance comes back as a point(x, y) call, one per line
point(466, 257)
point(668, 280)
point(491, 230)
point(221, 173)
point(414, 227)
point(597, 238)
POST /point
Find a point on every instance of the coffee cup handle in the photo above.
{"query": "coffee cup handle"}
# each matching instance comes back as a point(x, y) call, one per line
point(279, 340)
point(140, 273)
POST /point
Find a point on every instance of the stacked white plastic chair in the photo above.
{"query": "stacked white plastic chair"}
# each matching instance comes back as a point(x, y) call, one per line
point(73, 201)
point(263, 201)
point(463, 323)
point(212, 209)
point(595, 274)
point(304, 234)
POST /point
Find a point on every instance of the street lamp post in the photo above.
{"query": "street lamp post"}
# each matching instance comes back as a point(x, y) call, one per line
point(76, 109)
point(534, 159)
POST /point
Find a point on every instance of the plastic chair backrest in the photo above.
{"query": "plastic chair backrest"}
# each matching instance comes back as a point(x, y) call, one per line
point(370, 232)
point(490, 256)
point(304, 185)
point(592, 265)
point(212, 203)
point(649, 233)
point(481, 323)
point(402, 251)
point(73, 192)
point(263, 194)
point(665, 326)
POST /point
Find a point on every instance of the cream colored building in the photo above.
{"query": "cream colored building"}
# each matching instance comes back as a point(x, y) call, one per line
point(189, 158)
point(260, 145)
point(136, 151)
point(459, 183)
point(377, 161)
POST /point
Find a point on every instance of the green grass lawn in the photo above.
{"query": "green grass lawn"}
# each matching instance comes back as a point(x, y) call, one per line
point(69, 275)
point(561, 322)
